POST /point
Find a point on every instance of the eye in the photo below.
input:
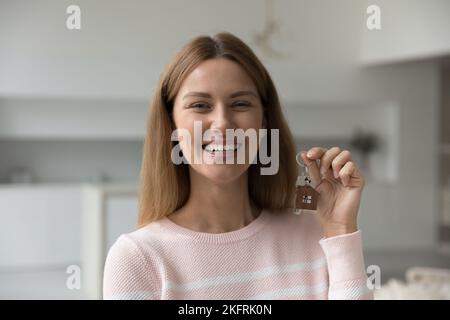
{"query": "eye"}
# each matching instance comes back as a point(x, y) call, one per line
point(241, 104)
point(200, 106)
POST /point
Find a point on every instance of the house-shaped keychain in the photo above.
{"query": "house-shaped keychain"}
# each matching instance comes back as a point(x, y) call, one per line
point(306, 197)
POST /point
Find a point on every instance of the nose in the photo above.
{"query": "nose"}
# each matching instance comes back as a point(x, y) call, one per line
point(221, 119)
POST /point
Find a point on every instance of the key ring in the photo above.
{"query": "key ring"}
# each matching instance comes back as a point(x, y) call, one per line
point(299, 160)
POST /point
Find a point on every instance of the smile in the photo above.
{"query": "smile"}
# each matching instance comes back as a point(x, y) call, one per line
point(212, 148)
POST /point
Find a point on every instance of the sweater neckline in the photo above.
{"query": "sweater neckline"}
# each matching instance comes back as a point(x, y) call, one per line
point(247, 231)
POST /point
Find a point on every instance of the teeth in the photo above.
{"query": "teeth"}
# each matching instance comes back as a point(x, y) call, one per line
point(217, 147)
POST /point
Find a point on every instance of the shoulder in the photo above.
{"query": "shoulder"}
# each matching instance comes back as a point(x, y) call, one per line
point(136, 246)
point(131, 268)
point(124, 248)
point(125, 257)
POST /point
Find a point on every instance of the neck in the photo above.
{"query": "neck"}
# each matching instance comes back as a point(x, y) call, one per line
point(216, 208)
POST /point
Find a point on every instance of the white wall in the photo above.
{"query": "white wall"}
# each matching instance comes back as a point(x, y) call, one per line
point(410, 29)
point(122, 48)
point(74, 161)
point(119, 52)
point(50, 118)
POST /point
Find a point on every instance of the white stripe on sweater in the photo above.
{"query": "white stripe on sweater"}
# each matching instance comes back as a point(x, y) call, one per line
point(245, 276)
point(299, 290)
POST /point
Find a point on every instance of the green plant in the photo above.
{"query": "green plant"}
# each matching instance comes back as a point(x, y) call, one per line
point(364, 142)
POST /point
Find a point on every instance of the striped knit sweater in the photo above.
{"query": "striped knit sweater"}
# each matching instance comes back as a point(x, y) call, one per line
point(277, 256)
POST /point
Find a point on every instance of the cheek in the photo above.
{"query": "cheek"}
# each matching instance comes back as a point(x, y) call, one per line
point(250, 120)
point(187, 135)
point(187, 119)
point(186, 142)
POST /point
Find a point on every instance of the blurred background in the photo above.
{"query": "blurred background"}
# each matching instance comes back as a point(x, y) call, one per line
point(73, 108)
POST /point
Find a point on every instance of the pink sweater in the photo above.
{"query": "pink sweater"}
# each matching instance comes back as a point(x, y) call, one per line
point(277, 256)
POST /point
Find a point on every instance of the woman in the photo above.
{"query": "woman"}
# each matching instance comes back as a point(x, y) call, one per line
point(213, 230)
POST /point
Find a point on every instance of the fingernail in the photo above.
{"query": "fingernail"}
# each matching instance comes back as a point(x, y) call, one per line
point(309, 154)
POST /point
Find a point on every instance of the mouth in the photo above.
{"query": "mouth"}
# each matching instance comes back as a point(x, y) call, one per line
point(213, 148)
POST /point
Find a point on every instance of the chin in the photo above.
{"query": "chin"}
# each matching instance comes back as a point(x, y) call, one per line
point(222, 173)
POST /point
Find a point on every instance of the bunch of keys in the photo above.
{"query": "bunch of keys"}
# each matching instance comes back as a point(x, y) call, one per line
point(306, 197)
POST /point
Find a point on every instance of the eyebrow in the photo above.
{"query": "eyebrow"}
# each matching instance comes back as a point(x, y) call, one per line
point(207, 95)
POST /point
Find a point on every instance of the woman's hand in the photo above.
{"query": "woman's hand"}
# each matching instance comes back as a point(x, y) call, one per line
point(340, 185)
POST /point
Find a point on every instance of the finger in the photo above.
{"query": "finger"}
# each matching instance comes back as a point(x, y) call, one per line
point(327, 158)
point(339, 161)
point(356, 178)
point(316, 153)
point(313, 169)
point(346, 173)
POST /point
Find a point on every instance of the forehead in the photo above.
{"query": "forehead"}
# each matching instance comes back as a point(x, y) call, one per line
point(217, 76)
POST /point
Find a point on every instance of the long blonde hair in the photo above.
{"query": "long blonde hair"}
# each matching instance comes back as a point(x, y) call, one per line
point(165, 186)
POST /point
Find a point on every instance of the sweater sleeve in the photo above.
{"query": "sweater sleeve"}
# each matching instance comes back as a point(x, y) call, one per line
point(127, 274)
point(346, 270)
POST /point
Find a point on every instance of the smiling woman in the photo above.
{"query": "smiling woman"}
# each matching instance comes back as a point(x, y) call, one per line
point(224, 230)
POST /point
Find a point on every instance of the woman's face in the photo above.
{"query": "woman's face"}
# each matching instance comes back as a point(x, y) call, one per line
point(219, 95)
